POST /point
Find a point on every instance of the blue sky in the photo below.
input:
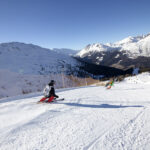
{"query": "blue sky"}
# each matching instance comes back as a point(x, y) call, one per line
point(72, 23)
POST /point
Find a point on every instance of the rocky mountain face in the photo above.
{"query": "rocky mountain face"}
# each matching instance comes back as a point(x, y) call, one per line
point(124, 54)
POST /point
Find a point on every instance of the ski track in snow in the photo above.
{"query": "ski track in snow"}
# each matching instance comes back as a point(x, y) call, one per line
point(90, 118)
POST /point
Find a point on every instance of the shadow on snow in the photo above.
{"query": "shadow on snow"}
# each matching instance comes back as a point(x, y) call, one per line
point(101, 106)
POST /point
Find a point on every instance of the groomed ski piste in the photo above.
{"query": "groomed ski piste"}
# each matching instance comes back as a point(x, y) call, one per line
point(90, 118)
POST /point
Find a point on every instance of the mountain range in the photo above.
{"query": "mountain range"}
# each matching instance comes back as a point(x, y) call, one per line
point(26, 68)
point(124, 54)
point(29, 59)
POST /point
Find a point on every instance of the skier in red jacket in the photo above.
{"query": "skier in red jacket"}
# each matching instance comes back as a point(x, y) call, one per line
point(49, 92)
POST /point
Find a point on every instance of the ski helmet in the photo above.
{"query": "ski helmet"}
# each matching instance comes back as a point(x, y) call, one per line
point(51, 83)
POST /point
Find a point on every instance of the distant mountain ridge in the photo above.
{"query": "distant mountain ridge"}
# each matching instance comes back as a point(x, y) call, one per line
point(65, 51)
point(131, 51)
point(32, 59)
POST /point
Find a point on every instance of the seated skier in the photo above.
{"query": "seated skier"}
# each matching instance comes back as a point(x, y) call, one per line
point(49, 92)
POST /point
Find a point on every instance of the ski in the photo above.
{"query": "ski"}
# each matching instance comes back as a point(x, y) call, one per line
point(55, 100)
point(61, 99)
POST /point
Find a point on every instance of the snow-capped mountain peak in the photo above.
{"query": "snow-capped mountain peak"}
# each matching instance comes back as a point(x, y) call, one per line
point(124, 54)
point(89, 49)
point(134, 47)
point(129, 39)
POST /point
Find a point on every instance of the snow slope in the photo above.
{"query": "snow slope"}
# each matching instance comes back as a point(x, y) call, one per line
point(90, 118)
point(26, 68)
point(31, 59)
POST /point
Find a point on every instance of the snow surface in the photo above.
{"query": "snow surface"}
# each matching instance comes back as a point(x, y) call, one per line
point(90, 118)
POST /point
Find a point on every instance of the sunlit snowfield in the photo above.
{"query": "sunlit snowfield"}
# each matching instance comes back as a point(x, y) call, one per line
point(90, 118)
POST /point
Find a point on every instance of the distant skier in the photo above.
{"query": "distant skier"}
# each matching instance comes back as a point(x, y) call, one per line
point(110, 84)
point(49, 92)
